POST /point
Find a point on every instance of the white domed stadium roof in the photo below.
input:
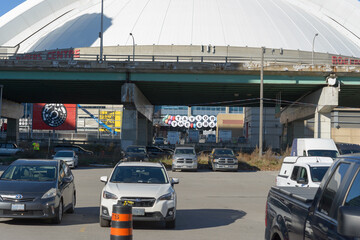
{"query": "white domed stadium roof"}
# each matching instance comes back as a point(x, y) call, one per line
point(289, 24)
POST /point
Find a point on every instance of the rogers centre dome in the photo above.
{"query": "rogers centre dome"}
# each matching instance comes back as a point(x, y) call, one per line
point(36, 25)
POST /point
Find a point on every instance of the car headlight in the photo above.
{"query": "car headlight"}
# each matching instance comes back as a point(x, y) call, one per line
point(109, 195)
point(49, 194)
point(168, 196)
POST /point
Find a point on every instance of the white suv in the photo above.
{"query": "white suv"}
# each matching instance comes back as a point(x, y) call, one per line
point(145, 184)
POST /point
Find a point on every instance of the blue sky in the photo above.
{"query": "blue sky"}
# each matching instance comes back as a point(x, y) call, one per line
point(7, 5)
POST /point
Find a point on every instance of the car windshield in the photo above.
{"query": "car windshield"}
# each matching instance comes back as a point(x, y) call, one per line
point(185, 151)
point(36, 173)
point(317, 173)
point(139, 174)
point(224, 152)
point(323, 153)
point(135, 150)
point(64, 154)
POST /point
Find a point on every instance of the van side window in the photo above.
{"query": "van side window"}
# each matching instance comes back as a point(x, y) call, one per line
point(303, 174)
point(295, 173)
point(353, 197)
point(332, 187)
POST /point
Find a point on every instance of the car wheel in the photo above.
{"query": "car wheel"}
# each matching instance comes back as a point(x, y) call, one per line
point(59, 213)
point(104, 222)
point(73, 203)
point(170, 224)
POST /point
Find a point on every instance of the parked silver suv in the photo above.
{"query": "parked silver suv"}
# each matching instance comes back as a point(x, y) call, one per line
point(184, 159)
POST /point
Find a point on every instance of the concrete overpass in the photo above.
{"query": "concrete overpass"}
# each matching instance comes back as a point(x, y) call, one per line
point(198, 81)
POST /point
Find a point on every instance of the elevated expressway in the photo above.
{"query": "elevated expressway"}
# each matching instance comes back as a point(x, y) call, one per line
point(160, 80)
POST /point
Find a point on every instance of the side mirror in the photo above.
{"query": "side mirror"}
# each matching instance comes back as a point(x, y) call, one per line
point(174, 181)
point(301, 181)
point(104, 179)
point(348, 221)
point(67, 180)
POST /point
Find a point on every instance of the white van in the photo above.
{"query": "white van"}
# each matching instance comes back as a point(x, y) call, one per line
point(303, 171)
point(319, 147)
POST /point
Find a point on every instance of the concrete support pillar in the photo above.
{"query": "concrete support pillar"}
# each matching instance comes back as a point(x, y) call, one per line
point(12, 134)
point(189, 111)
point(150, 132)
point(142, 132)
point(129, 126)
point(137, 117)
point(322, 125)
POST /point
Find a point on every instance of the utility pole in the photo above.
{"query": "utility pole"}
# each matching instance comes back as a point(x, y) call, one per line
point(101, 34)
point(261, 102)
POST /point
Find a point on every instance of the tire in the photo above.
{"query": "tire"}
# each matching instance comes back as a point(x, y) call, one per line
point(170, 224)
point(59, 213)
point(104, 222)
point(72, 208)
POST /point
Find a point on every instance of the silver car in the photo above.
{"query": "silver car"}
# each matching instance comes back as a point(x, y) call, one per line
point(184, 158)
point(68, 156)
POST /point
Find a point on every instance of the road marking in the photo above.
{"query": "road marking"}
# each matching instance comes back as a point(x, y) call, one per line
point(82, 229)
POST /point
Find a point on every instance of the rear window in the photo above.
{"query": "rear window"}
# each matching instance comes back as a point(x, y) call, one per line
point(317, 173)
point(323, 153)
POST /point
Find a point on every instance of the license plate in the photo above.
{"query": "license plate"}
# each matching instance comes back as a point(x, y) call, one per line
point(138, 211)
point(18, 207)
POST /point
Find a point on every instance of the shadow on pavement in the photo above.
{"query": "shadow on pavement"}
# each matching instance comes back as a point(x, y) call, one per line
point(190, 219)
point(82, 215)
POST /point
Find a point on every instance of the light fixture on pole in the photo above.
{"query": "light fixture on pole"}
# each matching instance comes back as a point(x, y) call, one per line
point(313, 46)
point(101, 33)
point(261, 102)
point(133, 46)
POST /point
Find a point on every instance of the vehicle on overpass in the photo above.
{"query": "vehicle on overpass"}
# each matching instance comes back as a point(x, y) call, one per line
point(136, 153)
point(328, 212)
point(43, 189)
point(145, 184)
point(184, 158)
point(68, 156)
point(223, 159)
point(303, 171)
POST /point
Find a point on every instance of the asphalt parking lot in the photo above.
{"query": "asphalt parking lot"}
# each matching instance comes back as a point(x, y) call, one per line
point(211, 205)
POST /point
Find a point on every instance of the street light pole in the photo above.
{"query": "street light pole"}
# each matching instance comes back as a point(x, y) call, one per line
point(133, 46)
point(101, 30)
point(261, 102)
point(313, 45)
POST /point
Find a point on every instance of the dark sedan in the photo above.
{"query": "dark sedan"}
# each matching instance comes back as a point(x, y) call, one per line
point(37, 189)
point(223, 159)
point(136, 153)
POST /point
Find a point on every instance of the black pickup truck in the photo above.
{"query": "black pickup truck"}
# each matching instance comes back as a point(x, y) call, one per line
point(331, 211)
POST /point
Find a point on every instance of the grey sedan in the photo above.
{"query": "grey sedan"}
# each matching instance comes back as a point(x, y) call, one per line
point(37, 189)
